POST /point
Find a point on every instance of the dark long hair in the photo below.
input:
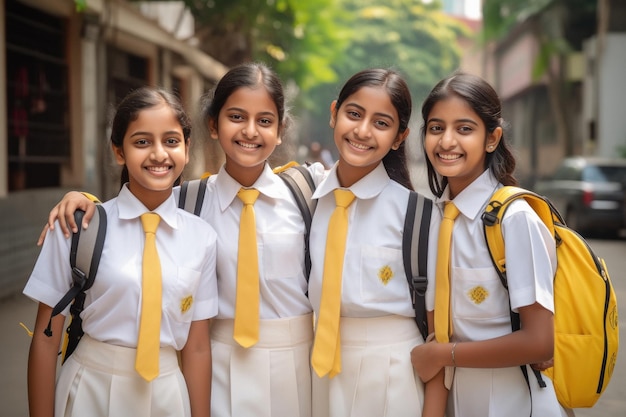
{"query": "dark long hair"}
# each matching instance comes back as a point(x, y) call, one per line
point(138, 100)
point(396, 87)
point(253, 75)
point(483, 99)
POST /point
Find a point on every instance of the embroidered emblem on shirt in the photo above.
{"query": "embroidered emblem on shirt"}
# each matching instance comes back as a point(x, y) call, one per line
point(186, 303)
point(385, 274)
point(478, 294)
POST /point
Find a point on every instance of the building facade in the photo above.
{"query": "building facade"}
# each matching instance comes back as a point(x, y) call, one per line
point(63, 72)
point(592, 110)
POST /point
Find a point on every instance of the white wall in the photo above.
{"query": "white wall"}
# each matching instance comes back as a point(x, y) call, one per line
point(605, 94)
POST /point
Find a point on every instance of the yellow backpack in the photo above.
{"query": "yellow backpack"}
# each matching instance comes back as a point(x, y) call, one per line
point(585, 306)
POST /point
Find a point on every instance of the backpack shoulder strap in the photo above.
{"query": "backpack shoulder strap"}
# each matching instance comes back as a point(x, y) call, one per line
point(494, 212)
point(191, 195)
point(300, 182)
point(85, 252)
point(85, 257)
point(415, 253)
point(492, 227)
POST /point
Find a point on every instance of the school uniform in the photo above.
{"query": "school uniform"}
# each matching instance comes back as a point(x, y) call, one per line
point(480, 307)
point(273, 377)
point(99, 378)
point(377, 327)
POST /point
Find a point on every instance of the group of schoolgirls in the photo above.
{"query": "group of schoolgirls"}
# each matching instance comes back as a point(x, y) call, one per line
point(376, 363)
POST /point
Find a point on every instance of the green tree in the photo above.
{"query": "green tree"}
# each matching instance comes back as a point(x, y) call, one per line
point(417, 39)
point(316, 45)
point(297, 38)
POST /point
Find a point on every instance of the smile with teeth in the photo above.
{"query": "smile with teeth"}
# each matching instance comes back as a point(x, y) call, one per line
point(158, 169)
point(248, 145)
point(358, 145)
point(449, 157)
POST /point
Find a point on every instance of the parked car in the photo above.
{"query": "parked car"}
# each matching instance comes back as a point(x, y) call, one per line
point(589, 193)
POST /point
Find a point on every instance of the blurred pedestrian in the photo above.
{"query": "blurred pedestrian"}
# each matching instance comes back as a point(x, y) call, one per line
point(317, 153)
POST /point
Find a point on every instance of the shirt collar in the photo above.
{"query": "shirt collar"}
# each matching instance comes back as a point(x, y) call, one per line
point(268, 184)
point(472, 200)
point(131, 208)
point(367, 187)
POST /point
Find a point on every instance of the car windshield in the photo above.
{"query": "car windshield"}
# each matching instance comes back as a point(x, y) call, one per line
point(604, 174)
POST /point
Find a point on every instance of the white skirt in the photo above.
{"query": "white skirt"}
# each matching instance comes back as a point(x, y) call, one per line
point(377, 378)
point(487, 392)
point(99, 379)
point(271, 378)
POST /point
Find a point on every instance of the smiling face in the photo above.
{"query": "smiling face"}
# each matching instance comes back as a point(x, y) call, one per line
point(248, 129)
point(155, 154)
point(366, 128)
point(456, 142)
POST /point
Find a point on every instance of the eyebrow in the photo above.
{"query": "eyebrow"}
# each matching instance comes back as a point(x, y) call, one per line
point(363, 110)
point(470, 121)
point(239, 109)
point(169, 132)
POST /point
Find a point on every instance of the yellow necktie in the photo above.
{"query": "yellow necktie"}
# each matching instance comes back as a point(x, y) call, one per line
point(246, 327)
point(326, 355)
point(442, 282)
point(149, 340)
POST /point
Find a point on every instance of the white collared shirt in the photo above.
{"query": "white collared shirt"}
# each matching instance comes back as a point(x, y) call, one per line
point(374, 281)
point(280, 241)
point(479, 302)
point(187, 251)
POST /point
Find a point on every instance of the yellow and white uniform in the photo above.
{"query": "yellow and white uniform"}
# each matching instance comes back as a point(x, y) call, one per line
point(480, 304)
point(99, 378)
point(377, 327)
point(273, 377)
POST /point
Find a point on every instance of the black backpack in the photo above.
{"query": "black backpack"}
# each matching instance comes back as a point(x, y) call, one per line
point(85, 254)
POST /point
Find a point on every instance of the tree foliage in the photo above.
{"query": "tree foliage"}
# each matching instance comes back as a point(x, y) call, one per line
point(297, 38)
point(316, 45)
point(417, 39)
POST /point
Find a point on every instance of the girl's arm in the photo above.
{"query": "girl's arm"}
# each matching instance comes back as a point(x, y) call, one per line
point(64, 212)
point(196, 368)
point(42, 363)
point(435, 392)
point(533, 343)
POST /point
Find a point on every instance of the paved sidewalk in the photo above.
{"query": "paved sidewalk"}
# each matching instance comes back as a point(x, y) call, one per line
point(14, 353)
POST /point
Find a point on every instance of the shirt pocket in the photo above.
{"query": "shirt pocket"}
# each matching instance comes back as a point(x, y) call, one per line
point(478, 294)
point(382, 275)
point(181, 295)
point(282, 255)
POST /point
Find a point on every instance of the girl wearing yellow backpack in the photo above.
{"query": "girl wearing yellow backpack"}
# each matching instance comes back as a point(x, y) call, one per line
point(474, 346)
